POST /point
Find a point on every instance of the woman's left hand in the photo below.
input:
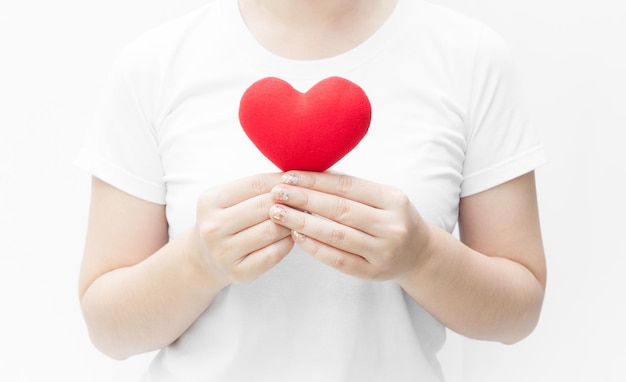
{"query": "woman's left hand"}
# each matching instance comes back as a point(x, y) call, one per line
point(364, 229)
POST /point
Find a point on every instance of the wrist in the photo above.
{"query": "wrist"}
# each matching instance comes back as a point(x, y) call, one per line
point(425, 251)
point(202, 270)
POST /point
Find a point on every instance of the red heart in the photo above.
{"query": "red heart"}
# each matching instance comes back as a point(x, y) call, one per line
point(305, 131)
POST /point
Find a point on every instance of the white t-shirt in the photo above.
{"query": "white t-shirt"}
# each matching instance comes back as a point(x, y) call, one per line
point(447, 121)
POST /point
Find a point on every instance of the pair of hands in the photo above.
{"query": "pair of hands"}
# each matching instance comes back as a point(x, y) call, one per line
point(364, 229)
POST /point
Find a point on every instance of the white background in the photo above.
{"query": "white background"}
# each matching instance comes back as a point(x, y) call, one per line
point(55, 55)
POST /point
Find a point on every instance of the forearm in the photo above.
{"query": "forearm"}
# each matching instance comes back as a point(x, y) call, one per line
point(147, 306)
point(479, 296)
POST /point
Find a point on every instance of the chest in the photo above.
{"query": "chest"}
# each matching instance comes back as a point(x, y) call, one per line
point(414, 142)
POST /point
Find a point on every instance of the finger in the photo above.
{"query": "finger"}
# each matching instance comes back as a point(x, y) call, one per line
point(239, 190)
point(341, 210)
point(260, 261)
point(323, 230)
point(253, 239)
point(359, 190)
point(345, 262)
point(246, 214)
point(224, 222)
point(236, 206)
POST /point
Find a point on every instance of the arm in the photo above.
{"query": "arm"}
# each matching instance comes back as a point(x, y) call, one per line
point(139, 292)
point(488, 286)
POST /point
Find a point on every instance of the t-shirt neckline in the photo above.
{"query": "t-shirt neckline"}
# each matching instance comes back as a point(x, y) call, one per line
point(244, 43)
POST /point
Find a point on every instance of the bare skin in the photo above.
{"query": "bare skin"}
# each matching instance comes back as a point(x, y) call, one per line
point(314, 29)
point(489, 286)
point(140, 292)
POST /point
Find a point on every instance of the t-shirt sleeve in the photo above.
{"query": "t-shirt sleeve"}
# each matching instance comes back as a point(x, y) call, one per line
point(121, 146)
point(501, 143)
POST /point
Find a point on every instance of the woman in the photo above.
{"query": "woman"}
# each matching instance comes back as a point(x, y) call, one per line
point(198, 247)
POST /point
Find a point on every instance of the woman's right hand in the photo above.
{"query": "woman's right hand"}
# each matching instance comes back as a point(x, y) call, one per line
point(172, 280)
point(236, 239)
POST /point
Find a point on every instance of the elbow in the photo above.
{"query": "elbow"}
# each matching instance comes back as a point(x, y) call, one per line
point(514, 336)
point(110, 342)
point(112, 352)
point(102, 333)
point(523, 325)
point(106, 342)
point(524, 318)
point(508, 332)
point(111, 338)
point(513, 322)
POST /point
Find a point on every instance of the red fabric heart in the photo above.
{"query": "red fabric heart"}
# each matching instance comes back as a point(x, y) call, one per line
point(305, 131)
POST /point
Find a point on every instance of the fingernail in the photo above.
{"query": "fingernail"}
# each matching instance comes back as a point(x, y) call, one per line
point(297, 236)
point(290, 179)
point(278, 213)
point(280, 194)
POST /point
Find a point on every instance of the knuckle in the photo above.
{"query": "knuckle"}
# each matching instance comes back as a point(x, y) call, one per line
point(208, 230)
point(263, 204)
point(258, 185)
point(273, 231)
point(341, 211)
point(312, 182)
point(204, 203)
point(271, 256)
point(268, 230)
point(305, 202)
point(401, 234)
point(337, 237)
point(258, 262)
point(398, 232)
point(345, 184)
point(399, 198)
point(300, 224)
point(338, 262)
point(386, 257)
